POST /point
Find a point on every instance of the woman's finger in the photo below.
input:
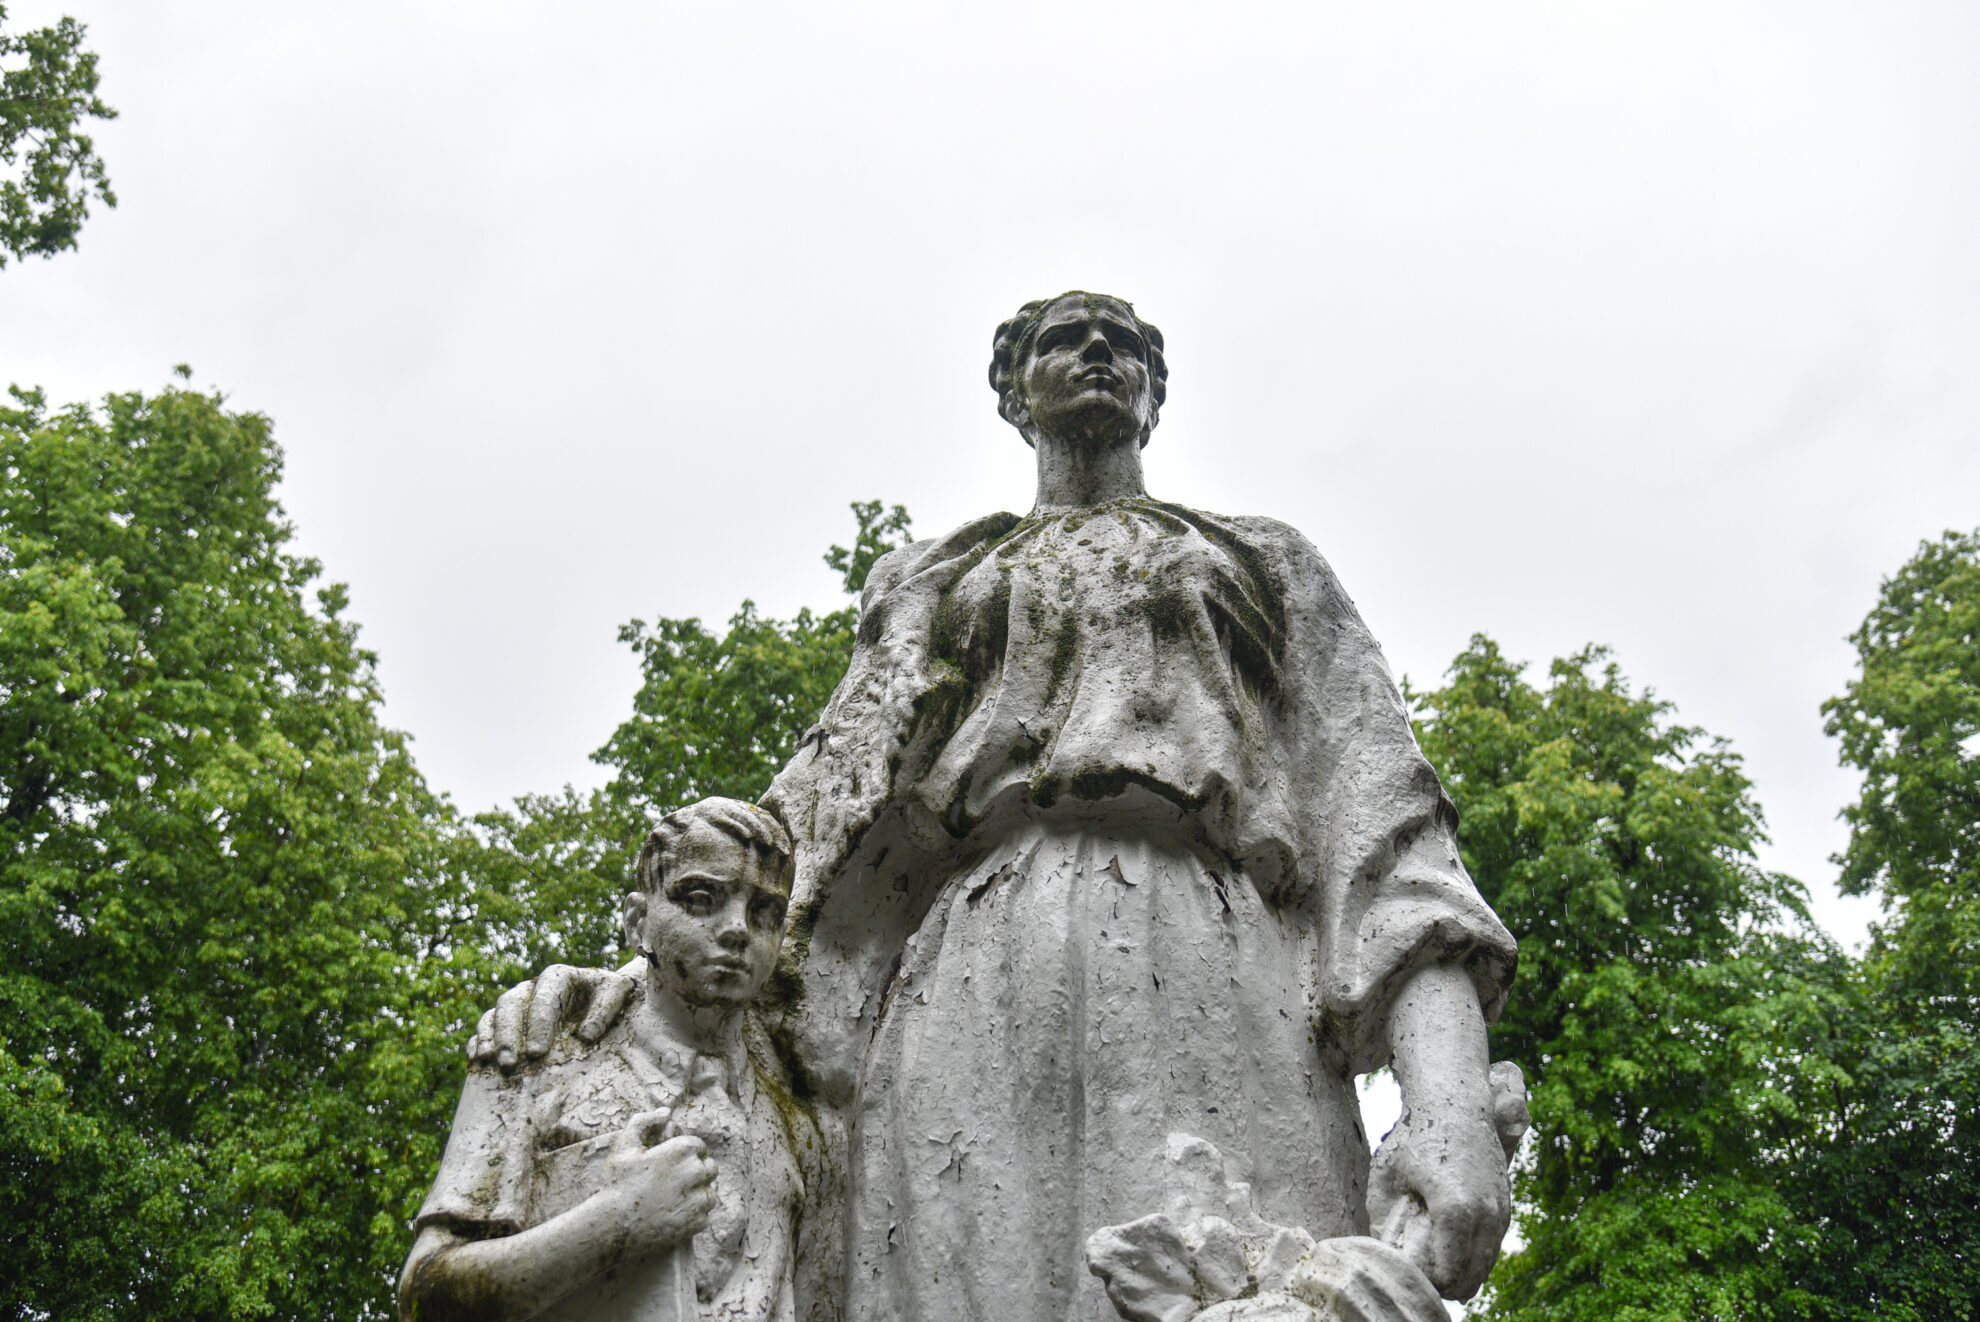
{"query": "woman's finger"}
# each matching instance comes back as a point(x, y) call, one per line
point(547, 1008)
point(609, 994)
point(481, 1047)
point(509, 1011)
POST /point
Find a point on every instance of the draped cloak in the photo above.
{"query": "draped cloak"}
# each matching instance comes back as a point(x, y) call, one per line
point(1115, 827)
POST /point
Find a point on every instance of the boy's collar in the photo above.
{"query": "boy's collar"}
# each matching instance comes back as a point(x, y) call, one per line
point(664, 1028)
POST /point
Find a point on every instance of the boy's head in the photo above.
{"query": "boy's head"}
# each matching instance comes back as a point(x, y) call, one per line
point(714, 882)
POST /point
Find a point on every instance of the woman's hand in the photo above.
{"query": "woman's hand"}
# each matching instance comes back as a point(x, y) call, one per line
point(1437, 1191)
point(1437, 1187)
point(526, 1018)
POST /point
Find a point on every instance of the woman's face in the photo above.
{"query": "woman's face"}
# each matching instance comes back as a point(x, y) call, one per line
point(1087, 375)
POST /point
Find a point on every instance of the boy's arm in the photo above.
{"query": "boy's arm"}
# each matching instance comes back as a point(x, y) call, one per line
point(658, 1197)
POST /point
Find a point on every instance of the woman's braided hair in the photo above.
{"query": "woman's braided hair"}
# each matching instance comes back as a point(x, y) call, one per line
point(1014, 340)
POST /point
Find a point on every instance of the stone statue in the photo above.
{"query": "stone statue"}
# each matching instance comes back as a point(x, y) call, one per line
point(654, 1172)
point(1115, 830)
point(1212, 1258)
point(1209, 1256)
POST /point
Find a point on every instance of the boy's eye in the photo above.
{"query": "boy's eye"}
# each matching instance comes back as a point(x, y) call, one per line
point(697, 901)
point(766, 913)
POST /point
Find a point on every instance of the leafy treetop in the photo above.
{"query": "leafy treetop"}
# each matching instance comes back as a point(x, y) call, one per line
point(1657, 996)
point(237, 946)
point(49, 169)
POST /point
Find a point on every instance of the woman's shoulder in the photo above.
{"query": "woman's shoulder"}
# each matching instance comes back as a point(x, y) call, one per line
point(904, 562)
point(1309, 587)
point(1274, 538)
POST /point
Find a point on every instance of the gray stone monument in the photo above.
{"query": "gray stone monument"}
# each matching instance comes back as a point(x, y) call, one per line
point(1115, 862)
point(655, 1168)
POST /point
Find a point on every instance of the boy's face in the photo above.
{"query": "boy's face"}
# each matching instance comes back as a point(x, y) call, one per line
point(713, 929)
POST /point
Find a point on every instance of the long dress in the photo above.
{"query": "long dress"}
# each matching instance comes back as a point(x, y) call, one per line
point(1114, 829)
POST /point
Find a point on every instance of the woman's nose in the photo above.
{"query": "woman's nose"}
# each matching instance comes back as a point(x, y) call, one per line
point(1096, 349)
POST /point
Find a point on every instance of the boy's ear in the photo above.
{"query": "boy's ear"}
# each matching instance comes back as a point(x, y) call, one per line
point(632, 914)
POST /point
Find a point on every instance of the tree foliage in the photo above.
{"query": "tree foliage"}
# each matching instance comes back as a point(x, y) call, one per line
point(241, 942)
point(722, 715)
point(49, 169)
point(230, 1007)
point(1668, 992)
point(1894, 1196)
point(715, 714)
point(1910, 722)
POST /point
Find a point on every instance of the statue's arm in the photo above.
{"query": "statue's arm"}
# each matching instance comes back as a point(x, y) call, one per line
point(1438, 1189)
point(660, 1196)
point(504, 1279)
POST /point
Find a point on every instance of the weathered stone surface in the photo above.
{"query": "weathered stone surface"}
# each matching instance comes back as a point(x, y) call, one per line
point(1210, 1257)
point(1116, 829)
point(657, 1170)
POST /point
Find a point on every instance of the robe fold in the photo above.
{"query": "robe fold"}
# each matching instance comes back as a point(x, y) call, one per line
point(1115, 827)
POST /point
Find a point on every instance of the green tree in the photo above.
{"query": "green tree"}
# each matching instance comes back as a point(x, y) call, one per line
point(49, 170)
point(1894, 1197)
point(715, 714)
point(1909, 722)
point(237, 953)
point(723, 715)
point(1669, 999)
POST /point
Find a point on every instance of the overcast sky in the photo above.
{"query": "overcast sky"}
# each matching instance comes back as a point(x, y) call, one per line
point(1656, 325)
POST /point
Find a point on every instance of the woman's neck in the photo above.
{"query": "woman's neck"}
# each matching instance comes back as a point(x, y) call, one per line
point(1085, 472)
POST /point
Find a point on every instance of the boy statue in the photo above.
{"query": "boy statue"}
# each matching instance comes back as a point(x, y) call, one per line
point(657, 1172)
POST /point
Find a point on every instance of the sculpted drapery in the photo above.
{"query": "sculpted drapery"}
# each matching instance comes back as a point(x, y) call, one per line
point(1114, 828)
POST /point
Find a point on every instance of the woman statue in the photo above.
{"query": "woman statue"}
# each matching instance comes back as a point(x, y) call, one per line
point(1116, 829)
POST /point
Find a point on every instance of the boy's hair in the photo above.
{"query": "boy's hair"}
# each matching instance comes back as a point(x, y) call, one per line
point(743, 822)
